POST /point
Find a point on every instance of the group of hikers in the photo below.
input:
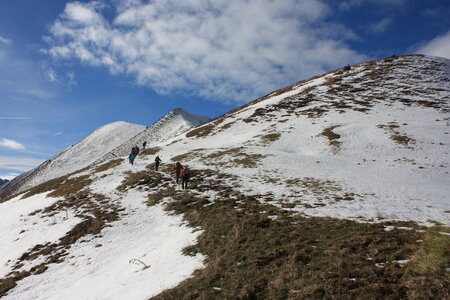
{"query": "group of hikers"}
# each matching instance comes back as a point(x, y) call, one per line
point(134, 152)
point(183, 173)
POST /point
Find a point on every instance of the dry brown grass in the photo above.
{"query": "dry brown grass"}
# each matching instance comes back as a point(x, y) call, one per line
point(188, 156)
point(109, 165)
point(151, 151)
point(96, 211)
point(234, 157)
point(400, 138)
point(271, 137)
point(142, 178)
point(333, 138)
point(252, 256)
point(201, 131)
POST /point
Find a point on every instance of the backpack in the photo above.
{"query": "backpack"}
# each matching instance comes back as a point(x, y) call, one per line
point(186, 171)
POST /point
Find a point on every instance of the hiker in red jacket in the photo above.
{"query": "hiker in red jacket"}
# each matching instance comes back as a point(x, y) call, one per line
point(177, 168)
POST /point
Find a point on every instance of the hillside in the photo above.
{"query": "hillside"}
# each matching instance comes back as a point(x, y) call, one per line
point(177, 121)
point(77, 156)
point(107, 142)
point(334, 187)
point(3, 181)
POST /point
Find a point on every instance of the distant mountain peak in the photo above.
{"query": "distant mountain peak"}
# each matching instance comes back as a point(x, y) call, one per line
point(80, 155)
point(174, 123)
point(177, 110)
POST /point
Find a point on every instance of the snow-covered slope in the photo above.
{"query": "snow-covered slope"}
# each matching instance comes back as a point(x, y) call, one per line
point(105, 143)
point(3, 181)
point(171, 125)
point(368, 143)
point(78, 156)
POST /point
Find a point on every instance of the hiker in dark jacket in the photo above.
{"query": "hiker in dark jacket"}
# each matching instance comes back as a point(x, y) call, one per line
point(157, 161)
point(131, 158)
point(144, 144)
point(135, 150)
point(177, 168)
point(185, 176)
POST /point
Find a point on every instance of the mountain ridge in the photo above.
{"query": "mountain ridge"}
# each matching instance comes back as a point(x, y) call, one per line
point(169, 126)
point(104, 143)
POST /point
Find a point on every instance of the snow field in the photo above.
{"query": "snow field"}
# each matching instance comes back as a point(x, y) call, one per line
point(21, 231)
point(113, 264)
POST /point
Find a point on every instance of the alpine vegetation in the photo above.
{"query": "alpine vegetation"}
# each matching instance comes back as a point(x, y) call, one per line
point(334, 187)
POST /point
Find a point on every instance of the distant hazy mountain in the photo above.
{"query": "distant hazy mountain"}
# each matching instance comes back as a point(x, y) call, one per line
point(3, 181)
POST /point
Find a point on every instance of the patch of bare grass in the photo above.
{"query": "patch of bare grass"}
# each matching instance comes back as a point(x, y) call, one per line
point(333, 138)
point(109, 165)
point(235, 156)
point(258, 251)
point(427, 275)
point(400, 138)
point(201, 131)
point(269, 138)
point(150, 151)
point(52, 184)
point(188, 156)
point(143, 178)
point(96, 211)
point(433, 255)
point(61, 186)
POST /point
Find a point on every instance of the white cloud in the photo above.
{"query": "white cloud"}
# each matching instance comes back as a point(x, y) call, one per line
point(223, 49)
point(9, 176)
point(51, 75)
point(11, 144)
point(22, 164)
point(57, 133)
point(5, 41)
point(439, 46)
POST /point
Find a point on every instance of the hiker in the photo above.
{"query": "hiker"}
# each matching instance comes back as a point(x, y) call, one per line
point(185, 175)
point(135, 150)
point(157, 161)
point(131, 158)
point(177, 168)
point(144, 144)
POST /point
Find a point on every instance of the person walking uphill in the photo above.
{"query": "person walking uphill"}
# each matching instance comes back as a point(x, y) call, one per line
point(185, 176)
point(133, 154)
point(157, 161)
point(177, 168)
point(135, 150)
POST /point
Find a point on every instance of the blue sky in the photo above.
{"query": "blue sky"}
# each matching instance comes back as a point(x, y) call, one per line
point(69, 67)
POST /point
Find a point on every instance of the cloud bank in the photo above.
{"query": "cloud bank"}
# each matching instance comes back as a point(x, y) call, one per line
point(439, 46)
point(231, 50)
